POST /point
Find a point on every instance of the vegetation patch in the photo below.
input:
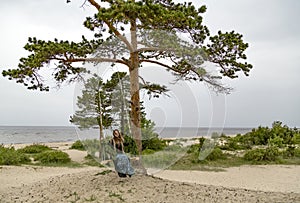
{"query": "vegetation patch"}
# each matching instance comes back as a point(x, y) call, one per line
point(50, 157)
point(35, 148)
point(78, 145)
point(10, 156)
point(267, 154)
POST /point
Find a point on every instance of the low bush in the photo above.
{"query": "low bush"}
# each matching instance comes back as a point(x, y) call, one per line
point(50, 157)
point(154, 143)
point(232, 144)
point(148, 151)
point(130, 145)
point(276, 141)
point(216, 154)
point(297, 152)
point(9, 156)
point(296, 138)
point(279, 135)
point(78, 145)
point(35, 148)
point(195, 148)
point(174, 147)
point(291, 152)
point(255, 155)
point(271, 153)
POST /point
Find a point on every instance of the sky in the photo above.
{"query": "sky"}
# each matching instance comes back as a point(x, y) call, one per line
point(270, 93)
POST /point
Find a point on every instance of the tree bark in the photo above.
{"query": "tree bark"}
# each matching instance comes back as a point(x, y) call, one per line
point(135, 89)
point(122, 106)
point(135, 94)
point(100, 124)
point(135, 108)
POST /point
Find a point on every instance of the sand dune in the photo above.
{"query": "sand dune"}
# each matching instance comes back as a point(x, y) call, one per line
point(48, 184)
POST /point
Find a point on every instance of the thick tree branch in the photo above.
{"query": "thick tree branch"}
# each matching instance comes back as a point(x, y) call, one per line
point(95, 4)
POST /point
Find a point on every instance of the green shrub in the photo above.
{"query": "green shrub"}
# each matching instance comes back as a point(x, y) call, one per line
point(9, 156)
point(255, 155)
point(297, 152)
point(276, 141)
point(235, 143)
point(289, 152)
point(296, 138)
point(154, 143)
point(35, 148)
point(279, 134)
point(130, 145)
point(78, 145)
point(206, 151)
point(195, 148)
point(148, 151)
point(49, 157)
point(173, 147)
point(271, 153)
point(216, 154)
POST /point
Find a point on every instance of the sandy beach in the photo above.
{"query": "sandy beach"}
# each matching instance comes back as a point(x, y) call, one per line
point(264, 183)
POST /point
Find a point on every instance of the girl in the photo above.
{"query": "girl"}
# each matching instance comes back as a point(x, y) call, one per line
point(117, 141)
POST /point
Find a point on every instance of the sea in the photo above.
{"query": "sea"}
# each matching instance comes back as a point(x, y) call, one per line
point(45, 134)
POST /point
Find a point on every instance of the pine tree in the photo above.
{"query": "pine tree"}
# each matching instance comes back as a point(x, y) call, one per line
point(153, 27)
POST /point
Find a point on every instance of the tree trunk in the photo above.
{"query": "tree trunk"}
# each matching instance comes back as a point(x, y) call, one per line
point(100, 140)
point(135, 95)
point(122, 107)
point(135, 108)
point(100, 125)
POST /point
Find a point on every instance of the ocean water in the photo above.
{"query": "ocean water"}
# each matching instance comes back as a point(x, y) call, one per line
point(43, 134)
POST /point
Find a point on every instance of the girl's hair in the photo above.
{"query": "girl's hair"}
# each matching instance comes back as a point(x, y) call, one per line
point(120, 138)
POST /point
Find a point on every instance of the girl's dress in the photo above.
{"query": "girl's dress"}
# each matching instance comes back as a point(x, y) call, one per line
point(122, 163)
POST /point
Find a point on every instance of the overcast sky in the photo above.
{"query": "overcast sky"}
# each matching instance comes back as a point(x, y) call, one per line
point(270, 93)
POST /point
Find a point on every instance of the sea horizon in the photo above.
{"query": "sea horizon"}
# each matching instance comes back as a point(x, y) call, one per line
point(44, 134)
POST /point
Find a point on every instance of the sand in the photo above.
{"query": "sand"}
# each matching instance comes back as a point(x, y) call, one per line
point(266, 183)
